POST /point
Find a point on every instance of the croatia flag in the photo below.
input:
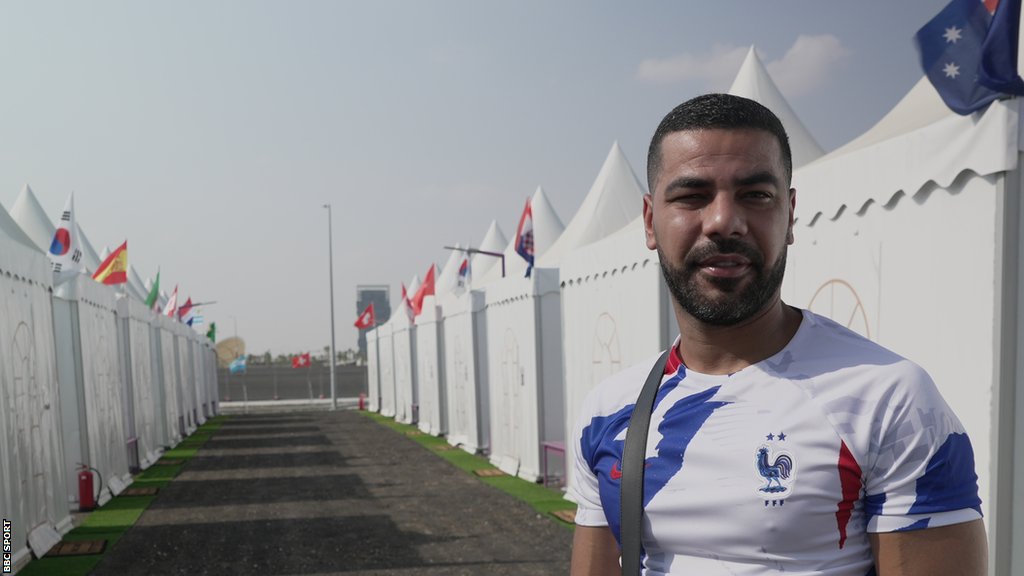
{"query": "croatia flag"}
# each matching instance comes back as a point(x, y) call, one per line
point(524, 237)
point(463, 280)
point(407, 304)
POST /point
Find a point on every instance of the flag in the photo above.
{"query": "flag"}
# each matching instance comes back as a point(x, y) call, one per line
point(154, 293)
point(407, 304)
point(185, 313)
point(237, 365)
point(114, 269)
point(524, 237)
point(967, 54)
point(301, 360)
point(425, 289)
point(999, 50)
point(65, 252)
point(172, 304)
point(212, 332)
point(464, 274)
point(367, 319)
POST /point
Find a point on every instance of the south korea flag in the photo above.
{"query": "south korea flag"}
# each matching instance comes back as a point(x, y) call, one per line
point(65, 250)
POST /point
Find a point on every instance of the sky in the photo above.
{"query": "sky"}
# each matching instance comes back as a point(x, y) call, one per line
point(209, 135)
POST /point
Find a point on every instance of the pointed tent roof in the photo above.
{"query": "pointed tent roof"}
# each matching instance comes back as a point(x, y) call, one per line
point(90, 258)
point(448, 276)
point(14, 231)
point(918, 141)
point(613, 200)
point(754, 82)
point(135, 288)
point(494, 241)
point(920, 107)
point(30, 216)
point(547, 227)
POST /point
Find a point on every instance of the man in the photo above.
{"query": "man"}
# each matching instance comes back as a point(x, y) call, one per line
point(779, 441)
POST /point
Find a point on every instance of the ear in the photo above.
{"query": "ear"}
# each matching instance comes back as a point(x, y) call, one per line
point(652, 244)
point(792, 216)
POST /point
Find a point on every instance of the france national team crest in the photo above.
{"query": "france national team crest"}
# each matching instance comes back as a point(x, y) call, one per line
point(776, 469)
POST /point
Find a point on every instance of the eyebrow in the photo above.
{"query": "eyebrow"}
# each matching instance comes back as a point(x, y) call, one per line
point(763, 177)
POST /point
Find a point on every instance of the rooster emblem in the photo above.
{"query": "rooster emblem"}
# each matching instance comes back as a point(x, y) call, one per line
point(773, 473)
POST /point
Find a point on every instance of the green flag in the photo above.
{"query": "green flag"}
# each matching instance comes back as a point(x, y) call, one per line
point(212, 332)
point(154, 292)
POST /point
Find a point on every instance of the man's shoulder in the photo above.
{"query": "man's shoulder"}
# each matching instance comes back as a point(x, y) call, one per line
point(832, 356)
point(620, 389)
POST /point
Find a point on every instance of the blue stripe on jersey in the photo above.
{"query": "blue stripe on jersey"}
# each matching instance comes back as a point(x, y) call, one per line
point(919, 525)
point(603, 453)
point(949, 482)
point(681, 423)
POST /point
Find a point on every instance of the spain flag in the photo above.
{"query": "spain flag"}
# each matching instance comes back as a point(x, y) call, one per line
point(114, 270)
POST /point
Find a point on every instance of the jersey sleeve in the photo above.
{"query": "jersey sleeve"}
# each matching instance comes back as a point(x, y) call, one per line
point(583, 486)
point(923, 470)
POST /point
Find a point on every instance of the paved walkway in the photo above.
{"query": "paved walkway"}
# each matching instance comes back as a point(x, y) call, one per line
point(332, 493)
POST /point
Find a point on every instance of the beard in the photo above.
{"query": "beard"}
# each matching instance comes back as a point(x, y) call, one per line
point(734, 304)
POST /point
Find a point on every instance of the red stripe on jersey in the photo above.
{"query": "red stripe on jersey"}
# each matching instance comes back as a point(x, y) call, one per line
point(849, 478)
point(674, 362)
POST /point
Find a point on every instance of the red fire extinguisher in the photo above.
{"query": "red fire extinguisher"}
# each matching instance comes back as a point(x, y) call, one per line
point(86, 496)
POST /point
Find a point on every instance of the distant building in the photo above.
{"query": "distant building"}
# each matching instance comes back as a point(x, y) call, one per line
point(380, 296)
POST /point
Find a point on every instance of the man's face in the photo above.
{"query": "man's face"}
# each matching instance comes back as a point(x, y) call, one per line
point(721, 216)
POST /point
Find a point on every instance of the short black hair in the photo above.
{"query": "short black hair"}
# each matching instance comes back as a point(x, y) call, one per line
point(718, 111)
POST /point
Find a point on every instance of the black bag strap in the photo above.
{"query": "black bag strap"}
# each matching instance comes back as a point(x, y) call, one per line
point(631, 487)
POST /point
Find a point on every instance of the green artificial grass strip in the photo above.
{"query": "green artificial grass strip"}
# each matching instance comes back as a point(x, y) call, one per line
point(62, 565)
point(540, 498)
point(119, 514)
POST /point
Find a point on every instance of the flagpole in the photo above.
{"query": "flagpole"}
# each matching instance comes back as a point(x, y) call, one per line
point(330, 267)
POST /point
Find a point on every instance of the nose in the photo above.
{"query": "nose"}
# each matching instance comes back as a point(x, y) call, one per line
point(724, 217)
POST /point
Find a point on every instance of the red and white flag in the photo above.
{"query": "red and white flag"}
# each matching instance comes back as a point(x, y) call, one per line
point(301, 360)
point(524, 237)
point(407, 304)
point(425, 289)
point(367, 319)
point(171, 309)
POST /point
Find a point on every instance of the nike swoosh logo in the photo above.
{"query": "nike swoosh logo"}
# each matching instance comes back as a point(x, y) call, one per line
point(616, 472)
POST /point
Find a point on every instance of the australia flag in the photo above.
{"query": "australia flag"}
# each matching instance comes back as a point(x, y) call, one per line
point(970, 55)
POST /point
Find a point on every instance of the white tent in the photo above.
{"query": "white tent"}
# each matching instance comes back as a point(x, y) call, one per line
point(173, 409)
point(144, 380)
point(524, 327)
point(465, 354)
point(616, 309)
point(91, 385)
point(372, 371)
point(33, 484)
point(515, 375)
point(386, 367)
point(403, 342)
point(430, 350)
point(911, 235)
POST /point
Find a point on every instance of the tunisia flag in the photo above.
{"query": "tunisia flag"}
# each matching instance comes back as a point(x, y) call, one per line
point(367, 319)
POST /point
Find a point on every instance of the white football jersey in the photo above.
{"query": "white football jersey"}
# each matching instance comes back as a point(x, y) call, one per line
point(784, 466)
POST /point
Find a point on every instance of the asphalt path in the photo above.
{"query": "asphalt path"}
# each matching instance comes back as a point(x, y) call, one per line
point(332, 493)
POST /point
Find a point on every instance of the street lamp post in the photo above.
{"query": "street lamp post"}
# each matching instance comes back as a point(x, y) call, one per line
point(330, 266)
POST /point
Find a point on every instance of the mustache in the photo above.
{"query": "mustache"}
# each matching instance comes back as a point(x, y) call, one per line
point(724, 246)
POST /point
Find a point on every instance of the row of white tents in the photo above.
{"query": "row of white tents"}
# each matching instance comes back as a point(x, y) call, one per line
point(89, 375)
point(910, 234)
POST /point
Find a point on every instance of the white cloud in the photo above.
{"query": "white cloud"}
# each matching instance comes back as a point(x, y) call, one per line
point(716, 68)
point(803, 68)
point(807, 64)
